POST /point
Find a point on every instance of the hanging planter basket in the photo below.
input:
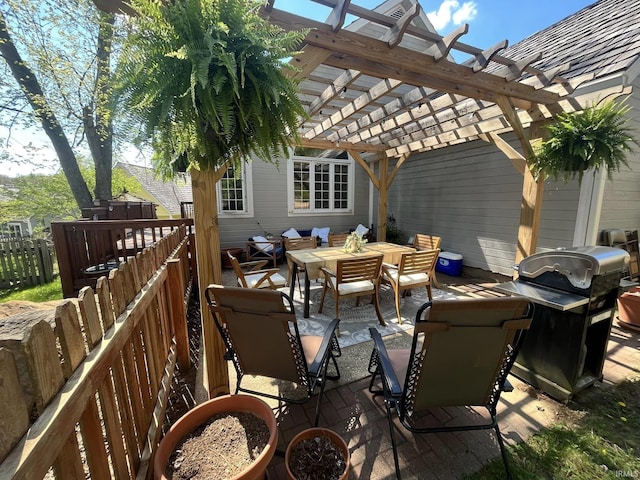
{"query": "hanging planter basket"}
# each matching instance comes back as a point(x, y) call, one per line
point(595, 138)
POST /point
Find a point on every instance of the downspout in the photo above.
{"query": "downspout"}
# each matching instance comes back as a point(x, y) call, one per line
point(589, 209)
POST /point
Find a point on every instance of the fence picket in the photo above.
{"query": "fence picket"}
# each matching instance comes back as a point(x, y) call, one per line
point(94, 441)
point(104, 299)
point(14, 414)
point(68, 463)
point(90, 316)
point(42, 357)
point(70, 335)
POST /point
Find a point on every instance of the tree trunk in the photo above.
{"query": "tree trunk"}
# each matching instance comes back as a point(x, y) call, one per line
point(30, 86)
point(97, 124)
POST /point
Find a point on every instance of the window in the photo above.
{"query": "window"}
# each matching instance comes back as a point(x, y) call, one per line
point(320, 185)
point(234, 193)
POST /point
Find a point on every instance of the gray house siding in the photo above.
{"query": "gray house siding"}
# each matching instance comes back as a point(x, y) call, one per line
point(621, 198)
point(271, 211)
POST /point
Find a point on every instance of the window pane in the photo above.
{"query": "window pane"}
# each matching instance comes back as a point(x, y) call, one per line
point(301, 186)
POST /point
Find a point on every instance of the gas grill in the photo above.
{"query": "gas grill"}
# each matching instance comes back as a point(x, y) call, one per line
point(574, 291)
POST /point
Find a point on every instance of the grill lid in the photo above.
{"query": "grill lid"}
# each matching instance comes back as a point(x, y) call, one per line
point(578, 264)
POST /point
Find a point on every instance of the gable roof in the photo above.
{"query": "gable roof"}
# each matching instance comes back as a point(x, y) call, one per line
point(168, 194)
point(602, 38)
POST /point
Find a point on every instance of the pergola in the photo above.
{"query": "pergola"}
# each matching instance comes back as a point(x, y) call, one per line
point(386, 87)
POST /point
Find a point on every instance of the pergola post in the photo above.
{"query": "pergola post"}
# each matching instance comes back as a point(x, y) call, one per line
point(205, 207)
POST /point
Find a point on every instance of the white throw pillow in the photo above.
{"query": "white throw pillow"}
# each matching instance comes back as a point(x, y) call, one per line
point(361, 230)
point(323, 233)
point(263, 244)
point(315, 232)
point(291, 233)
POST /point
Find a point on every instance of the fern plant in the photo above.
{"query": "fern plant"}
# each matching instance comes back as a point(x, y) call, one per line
point(597, 137)
point(204, 81)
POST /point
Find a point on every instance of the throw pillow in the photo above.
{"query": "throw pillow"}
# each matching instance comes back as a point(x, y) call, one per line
point(361, 230)
point(324, 234)
point(263, 244)
point(291, 233)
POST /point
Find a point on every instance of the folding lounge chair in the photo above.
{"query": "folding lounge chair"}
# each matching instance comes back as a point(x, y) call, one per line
point(260, 331)
point(460, 356)
point(255, 276)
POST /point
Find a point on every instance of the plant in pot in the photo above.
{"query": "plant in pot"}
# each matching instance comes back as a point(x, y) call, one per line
point(595, 138)
point(317, 454)
point(194, 444)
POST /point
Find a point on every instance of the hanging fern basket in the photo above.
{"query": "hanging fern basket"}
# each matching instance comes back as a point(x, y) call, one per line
point(595, 138)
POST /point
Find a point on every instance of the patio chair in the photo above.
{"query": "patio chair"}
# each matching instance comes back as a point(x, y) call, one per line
point(260, 331)
point(460, 356)
point(261, 248)
point(337, 239)
point(298, 244)
point(354, 277)
point(255, 276)
point(414, 270)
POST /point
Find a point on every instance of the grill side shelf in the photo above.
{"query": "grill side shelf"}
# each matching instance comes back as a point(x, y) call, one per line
point(550, 298)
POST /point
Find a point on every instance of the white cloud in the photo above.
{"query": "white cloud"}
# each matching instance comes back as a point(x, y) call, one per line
point(451, 11)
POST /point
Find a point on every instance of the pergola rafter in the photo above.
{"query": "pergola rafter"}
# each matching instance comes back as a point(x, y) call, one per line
point(386, 87)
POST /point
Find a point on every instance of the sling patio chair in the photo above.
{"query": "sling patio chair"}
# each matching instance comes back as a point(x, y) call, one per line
point(260, 331)
point(460, 356)
point(414, 270)
point(354, 277)
point(255, 276)
point(298, 244)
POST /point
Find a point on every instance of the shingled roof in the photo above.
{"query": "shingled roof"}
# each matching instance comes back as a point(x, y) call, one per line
point(603, 39)
point(167, 194)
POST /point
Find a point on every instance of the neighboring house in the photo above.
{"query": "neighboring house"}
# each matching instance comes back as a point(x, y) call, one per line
point(166, 195)
point(470, 194)
point(17, 227)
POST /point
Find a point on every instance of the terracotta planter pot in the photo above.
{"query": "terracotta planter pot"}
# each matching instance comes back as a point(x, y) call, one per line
point(629, 309)
point(319, 432)
point(201, 414)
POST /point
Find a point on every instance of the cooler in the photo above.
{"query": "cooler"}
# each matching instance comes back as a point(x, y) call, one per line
point(449, 263)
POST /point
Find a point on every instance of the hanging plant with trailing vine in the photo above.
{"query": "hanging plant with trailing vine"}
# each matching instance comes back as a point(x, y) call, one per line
point(597, 137)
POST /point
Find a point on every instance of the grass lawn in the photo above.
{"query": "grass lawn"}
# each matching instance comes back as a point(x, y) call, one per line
point(597, 438)
point(39, 293)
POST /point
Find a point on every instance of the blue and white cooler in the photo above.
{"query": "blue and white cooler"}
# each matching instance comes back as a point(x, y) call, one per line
point(449, 263)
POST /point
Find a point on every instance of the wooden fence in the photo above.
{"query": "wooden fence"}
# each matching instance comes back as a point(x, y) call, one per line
point(25, 263)
point(87, 249)
point(101, 378)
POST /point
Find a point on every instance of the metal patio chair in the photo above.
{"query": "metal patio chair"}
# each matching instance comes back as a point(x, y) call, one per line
point(260, 331)
point(460, 356)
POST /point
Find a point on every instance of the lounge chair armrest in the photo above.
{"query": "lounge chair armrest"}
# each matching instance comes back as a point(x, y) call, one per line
point(387, 372)
point(324, 349)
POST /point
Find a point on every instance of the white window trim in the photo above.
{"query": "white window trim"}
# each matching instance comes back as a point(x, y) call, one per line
point(247, 187)
point(292, 212)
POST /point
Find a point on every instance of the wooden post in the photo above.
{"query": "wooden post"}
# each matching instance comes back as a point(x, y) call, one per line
point(205, 206)
point(176, 288)
point(383, 165)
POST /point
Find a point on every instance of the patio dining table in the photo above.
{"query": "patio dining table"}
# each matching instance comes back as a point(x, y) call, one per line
point(313, 259)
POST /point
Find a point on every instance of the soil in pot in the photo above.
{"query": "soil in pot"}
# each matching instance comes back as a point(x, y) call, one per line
point(317, 458)
point(221, 448)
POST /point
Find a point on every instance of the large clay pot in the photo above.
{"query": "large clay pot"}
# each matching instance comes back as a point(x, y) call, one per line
point(319, 432)
point(201, 414)
point(629, 309)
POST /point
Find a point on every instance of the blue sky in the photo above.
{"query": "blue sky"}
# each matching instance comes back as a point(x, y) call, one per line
point(490, 21)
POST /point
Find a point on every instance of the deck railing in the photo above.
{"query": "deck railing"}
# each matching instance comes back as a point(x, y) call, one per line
point(99, 380)
point(88, 249)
